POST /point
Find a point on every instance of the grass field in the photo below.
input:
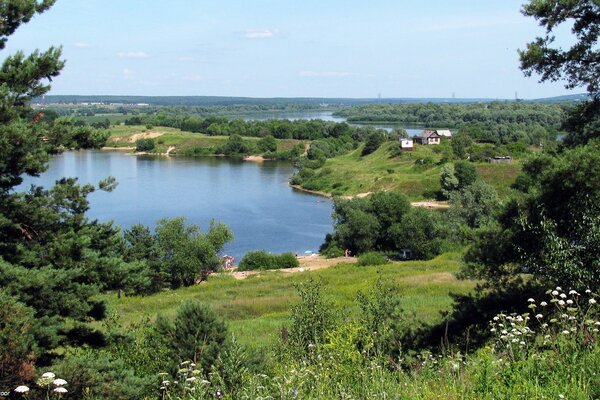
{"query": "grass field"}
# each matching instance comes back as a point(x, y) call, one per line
point(121, 136)
point(256, 308)
point(351, 174)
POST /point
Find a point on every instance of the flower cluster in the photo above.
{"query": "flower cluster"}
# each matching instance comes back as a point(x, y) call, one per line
point(50, 383)
point(512, 332)
point(567, 315)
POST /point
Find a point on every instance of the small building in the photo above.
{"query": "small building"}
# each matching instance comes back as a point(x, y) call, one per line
point(501, 159)
point(406, 144)
point(445, 133)
point(428, 137)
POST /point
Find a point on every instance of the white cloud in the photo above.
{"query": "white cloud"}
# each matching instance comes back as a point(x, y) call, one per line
point(132, 54)
point(82, 45)
point(325, 74)
point(261, 34)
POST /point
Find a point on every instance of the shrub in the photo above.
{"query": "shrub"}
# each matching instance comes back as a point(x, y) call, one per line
point(372, 258)
point(260, 259)
point(144, 145)
point(253, 260)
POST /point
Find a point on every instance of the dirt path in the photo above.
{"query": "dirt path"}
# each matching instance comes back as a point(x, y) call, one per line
point(144, 135)
point(431, 204)
point(307, 263)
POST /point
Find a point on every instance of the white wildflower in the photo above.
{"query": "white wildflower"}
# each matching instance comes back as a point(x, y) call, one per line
point(573, 292)
point(48, 375)
point(60, 389)
point(554, 293)
point(539, 316)
point(561, 303)
point(592, 301)
point(543, 304)
point(558, 288)
point(569, 302)
point(59, 382)
point(565, 332)
point(588, 291)
point(563, 296)
point(22, 389)
point(530, 300)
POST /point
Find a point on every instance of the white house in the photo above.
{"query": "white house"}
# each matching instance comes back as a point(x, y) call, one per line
point(406, 144)
point(428, 137)
point(445, 133)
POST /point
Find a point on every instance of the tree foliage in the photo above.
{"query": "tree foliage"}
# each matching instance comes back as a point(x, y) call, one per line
point(553, 230)
point(577, 64)
point(196, 334)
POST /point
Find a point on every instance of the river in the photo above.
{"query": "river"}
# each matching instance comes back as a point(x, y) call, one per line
point(254, 199)
point(325, 116)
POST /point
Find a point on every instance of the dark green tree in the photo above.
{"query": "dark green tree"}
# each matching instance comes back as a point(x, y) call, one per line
point(419, 230)
point(553, 231)
point(196, 334)
point(267, 144)
point(465, 172)
point(54, 260)
point(374, 140)
point(578, 65)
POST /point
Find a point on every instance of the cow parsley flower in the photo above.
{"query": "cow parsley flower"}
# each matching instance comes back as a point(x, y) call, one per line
point(48, 375)
point(22, 389)
point(60, 389)
point(59, 382)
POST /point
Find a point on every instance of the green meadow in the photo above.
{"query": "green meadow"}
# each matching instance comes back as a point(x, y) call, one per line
point(415, 173)
point(255, 308)
point(165, 137)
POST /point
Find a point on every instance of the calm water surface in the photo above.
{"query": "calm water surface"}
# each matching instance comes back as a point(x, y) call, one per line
point(253, 199)
point(325, 116)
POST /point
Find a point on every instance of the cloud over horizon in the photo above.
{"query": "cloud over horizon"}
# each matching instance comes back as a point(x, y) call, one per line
point(132, 54)
point(261, 34)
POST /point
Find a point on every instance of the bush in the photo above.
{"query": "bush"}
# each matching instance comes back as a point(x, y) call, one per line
point(372, 258)
point(261, 260)
point(144, 145)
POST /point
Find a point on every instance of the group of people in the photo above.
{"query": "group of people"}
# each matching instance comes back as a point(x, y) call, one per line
point(228, 261)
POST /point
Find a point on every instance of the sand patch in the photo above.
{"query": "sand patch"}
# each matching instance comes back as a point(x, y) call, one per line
point(144, 135)
point(307, 263)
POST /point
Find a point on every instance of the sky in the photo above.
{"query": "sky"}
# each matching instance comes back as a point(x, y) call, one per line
point(289, 48)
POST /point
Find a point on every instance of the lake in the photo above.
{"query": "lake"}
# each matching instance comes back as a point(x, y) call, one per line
point(254, 199)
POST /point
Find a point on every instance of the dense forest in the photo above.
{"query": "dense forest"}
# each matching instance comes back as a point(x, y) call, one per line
point(458, 115)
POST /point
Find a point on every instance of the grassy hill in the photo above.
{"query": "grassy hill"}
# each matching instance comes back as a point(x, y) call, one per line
point(124, 136)
point(415, 173)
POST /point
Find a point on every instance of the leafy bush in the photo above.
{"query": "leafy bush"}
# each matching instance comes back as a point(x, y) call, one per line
point(374, 140)
point(144, 145)
point(372, 258)
point(260, 259)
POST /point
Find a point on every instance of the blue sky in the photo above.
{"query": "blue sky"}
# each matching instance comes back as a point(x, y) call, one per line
point(288, 48)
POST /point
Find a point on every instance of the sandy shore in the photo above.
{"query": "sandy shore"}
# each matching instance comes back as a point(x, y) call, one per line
point(307, 263)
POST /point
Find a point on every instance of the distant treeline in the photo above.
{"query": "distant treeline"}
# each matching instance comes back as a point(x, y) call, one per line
point(278, 128)
point(457, 115)
point(232, 101)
